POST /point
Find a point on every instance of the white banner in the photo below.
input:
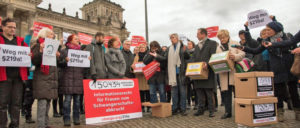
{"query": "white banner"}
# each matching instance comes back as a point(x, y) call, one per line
point(65, 36)
point(49, 53)
point(14, 56)
point(258, 18)
point(78, 58)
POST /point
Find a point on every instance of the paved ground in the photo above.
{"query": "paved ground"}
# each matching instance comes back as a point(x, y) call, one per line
point(177, 121)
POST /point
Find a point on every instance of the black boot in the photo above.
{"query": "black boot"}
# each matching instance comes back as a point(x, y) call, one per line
point(226, 115)
point(199, 112)
point(30, 121)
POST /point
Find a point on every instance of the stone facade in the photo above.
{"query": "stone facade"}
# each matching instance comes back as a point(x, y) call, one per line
point(97, 16)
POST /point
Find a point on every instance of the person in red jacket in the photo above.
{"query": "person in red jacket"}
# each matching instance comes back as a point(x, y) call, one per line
point(11, 79)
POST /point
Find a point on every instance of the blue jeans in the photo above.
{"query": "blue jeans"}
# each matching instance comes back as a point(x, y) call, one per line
point(76, 107)
point(180, 88)
point(153, 96)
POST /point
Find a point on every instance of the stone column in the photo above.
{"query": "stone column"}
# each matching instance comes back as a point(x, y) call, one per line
point(24, 25)
point(10, 9)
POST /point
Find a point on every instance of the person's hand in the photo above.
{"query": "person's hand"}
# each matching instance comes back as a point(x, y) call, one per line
point(57, 54)
point(204, 65)
point(42, 47)
point(90, 58)
point(133, 66)
point(268, 44)
point(271, 16)
point(67, 59)
point(184, 47)
point(30, 54)
point(94, 78)
point(246, 24)
point(153, 54)
point(296, 51)
point(231, 56)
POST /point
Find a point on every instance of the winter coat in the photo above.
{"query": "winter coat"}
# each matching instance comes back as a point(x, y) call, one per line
point(116, 64)
point(203, 55)
point(44, 86)
point(143, 84)
point(224, 77)
point(98, 65)
point(128, 57)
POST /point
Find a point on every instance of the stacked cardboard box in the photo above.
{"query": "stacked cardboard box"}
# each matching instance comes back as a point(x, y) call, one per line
point(255, 104)
point(159, 109)
point(196, 71)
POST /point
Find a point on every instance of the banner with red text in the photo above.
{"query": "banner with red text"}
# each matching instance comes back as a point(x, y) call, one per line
point(137, 40)
point(109, 100)
point(37, 26)
point(150, 69)
point(212, 31)
point(85, 38)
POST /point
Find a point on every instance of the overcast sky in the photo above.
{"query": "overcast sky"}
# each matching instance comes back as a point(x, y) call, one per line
point(185, 16)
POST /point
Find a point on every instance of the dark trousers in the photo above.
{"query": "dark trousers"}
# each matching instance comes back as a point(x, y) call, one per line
point(293, 89)
point(11, 92)
point(280, 92)
point(67, 107)
point(60, 101)
point(28, 99)
point(228, 99)
point(205, 94)
point(145, 96)
point(81, 104)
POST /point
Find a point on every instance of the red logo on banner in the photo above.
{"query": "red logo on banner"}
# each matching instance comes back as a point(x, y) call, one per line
point(37, 26)
point(107, 38)
point(137, 40)
point(85, 38)
point(111, 99)
point(150, 69)
point(212, 31)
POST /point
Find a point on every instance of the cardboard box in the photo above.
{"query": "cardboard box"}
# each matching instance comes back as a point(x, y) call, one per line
point(139, 67)
point(254, 84)
point(195, 71)
point(159, 109)
point(220, 62)
point(256, 112)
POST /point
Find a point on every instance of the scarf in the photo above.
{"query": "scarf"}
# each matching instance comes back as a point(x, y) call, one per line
point(201, 43)
point(277, 37)
point(44, 68)
point(73, 46)
point(116, 55)
point(191, 50)
point(173, 63)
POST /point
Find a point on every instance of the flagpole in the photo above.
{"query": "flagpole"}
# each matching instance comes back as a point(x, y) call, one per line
point(146, 21)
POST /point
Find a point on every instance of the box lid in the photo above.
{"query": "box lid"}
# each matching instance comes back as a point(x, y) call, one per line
point(254, 74)
point(256, 101)
point(218, 56)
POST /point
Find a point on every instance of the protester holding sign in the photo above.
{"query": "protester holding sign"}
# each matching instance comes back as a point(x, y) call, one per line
point(45, 80)
point(227, 78)
point(114, 59)
point(98, 65)
point(71, 84)
point(157, 81)
point(176, 59)
point(11, 78)
point(143, 85)
point(281, 61)
point(205, 88)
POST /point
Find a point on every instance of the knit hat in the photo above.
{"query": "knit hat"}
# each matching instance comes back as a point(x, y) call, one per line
point(276, 26)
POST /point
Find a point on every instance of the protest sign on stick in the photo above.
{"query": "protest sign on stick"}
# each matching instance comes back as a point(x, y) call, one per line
point(258, 18)
point(49, 52)
point(14, 56)
point(78, 58)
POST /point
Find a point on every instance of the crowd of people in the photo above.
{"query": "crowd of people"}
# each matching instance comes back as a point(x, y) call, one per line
point(273, 51)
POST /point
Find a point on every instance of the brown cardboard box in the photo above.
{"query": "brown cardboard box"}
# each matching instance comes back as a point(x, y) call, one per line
point(159, 109)
point(196, 72)
point(220, 62)
point(256, 112)
point(254, 84)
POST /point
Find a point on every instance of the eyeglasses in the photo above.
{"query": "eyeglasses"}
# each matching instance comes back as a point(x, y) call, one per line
point(11, 27)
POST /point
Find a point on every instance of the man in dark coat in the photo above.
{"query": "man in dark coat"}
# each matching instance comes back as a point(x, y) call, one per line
point(205, 88)
point(128, 57)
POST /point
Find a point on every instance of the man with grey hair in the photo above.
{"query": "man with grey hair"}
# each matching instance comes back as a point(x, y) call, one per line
point(176, 57)
point(129, 57)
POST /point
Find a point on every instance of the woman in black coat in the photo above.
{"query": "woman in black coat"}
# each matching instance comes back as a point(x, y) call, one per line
point(157, 81)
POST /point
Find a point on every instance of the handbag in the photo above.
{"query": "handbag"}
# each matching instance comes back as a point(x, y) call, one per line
point(295, 70)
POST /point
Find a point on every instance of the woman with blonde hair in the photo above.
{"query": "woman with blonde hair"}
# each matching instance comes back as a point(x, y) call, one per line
point(227, 78)
point(143, 85)
point(45, 80)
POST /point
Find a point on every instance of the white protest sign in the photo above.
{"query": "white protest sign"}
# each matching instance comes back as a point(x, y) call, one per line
point(78, 58)
point(14, 56)
point(258, 18)
point(49, 53)
point(183, 38)
point(65, 36)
